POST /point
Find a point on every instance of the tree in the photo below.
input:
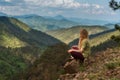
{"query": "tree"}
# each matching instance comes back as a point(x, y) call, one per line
point(114, 5)
point(116, 38)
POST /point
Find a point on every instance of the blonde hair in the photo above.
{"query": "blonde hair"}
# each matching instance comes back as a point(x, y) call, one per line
point(83, 35)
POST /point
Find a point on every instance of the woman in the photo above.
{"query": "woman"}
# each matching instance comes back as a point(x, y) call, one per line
point(82, 50)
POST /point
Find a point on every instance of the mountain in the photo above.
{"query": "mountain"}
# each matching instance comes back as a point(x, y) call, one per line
point(14, 30)
point(83, 21)
point(2, 14)
point(80, 21)
point(111, 25)
point(50, 65)
point(59, 17)
point(44, 24)
point(69, 34)
point(20, 46)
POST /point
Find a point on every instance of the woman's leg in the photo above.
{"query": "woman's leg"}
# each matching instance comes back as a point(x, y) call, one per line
point(78, 55)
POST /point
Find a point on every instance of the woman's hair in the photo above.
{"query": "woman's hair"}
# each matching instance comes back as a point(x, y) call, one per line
point(83, 35)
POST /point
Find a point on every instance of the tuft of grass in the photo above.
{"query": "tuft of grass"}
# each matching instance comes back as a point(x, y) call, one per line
point(112, 65)
point(82, 67)
point(114, 79)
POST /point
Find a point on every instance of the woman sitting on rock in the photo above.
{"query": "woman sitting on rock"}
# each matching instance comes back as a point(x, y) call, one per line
point(82, 50)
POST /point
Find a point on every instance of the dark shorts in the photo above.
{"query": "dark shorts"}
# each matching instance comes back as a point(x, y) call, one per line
point(77, 55)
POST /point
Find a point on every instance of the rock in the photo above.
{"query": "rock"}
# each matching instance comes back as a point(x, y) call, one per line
point(86, 79)
point(67, 77)
point(72, 66)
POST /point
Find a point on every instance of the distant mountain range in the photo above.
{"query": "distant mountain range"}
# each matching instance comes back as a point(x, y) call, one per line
point(2, 14)
point(44, 24)
point(110, 25)
point(59, 17)
point(88, 21)
point(81, 21)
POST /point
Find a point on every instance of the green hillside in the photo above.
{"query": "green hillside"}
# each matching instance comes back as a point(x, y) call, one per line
point(69, 34)
point(102, 38)
point(14, 33)
point(20, 46)
point(8, 39)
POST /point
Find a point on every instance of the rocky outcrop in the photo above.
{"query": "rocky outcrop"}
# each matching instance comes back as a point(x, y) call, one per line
point(72, 66)
point(104, 65)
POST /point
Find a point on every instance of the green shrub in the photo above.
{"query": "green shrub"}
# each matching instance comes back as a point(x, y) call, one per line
point(111, 65)
point(116, 38)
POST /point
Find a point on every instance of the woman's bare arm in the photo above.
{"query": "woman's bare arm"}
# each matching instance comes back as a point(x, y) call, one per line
point(74, 50)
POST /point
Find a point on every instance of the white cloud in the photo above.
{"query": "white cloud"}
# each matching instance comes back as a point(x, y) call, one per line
point(86, 5)
point(53, 7)
point(8, 0)
point(54, 3)
point(96, 6)
point(66, 4)
point(2, 8)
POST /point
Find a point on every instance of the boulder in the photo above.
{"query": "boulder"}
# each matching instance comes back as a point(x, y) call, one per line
point(72, 66)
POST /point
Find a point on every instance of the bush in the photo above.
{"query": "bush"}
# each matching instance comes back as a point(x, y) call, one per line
point(111, 65)
point(116, 38)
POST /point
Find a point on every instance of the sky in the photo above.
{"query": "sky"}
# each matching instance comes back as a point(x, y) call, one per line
point(90, 9)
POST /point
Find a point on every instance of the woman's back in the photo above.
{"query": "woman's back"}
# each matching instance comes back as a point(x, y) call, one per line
point(85, 45)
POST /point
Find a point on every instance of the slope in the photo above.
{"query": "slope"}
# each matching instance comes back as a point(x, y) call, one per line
point(17, 34)
point(69, 34)
point(20, 46)
point(105, 65)
point(48, 66)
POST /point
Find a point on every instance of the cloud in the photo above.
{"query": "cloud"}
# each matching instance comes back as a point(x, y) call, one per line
point(53, 7)
point(8, 0)
point(54, 3)
point(96, 6)
point(63, 4)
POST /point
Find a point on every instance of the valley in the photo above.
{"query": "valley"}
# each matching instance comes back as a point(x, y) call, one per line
point(26, 52)
point(69, 34)
point(37, 37)
point(20, 46)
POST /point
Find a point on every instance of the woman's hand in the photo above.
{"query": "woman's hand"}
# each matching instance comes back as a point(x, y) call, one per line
point(70, 50)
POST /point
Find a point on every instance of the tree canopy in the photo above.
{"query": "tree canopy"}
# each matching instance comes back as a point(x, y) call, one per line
point(114, 4)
